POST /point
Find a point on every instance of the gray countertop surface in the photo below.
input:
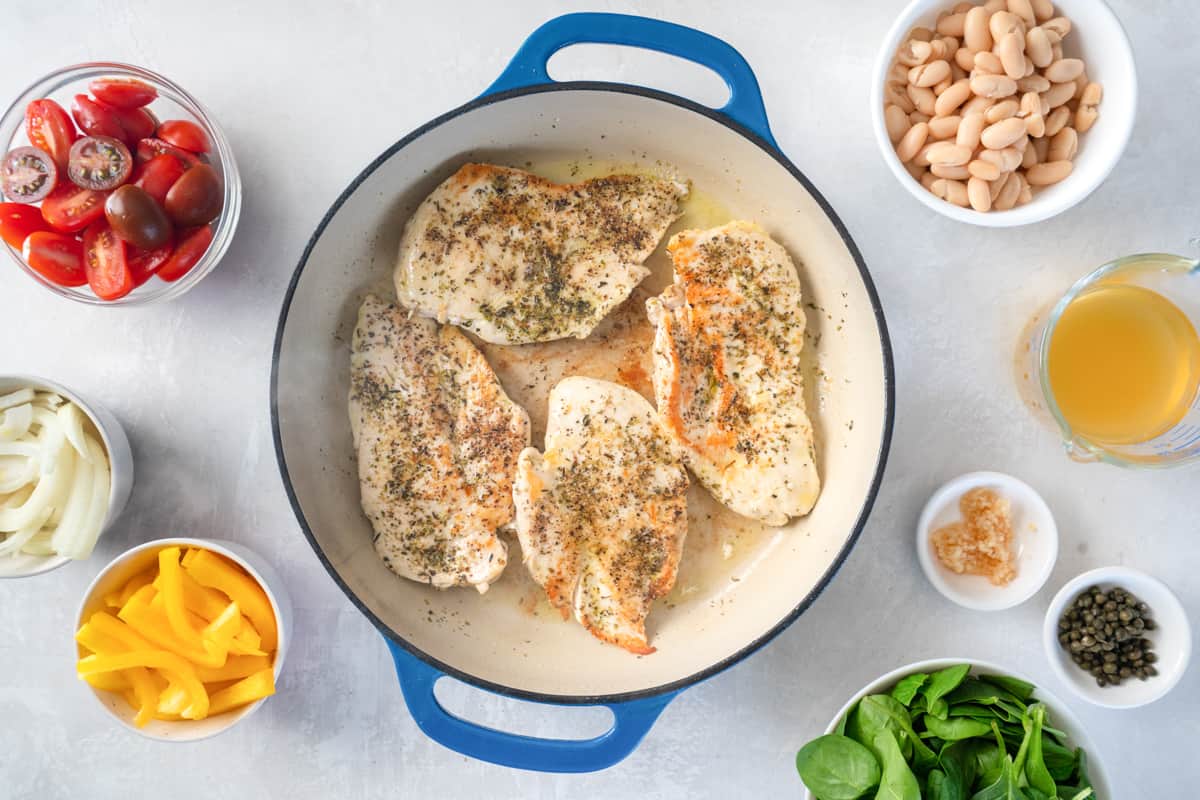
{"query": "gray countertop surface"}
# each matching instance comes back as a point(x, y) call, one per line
point(309, 93)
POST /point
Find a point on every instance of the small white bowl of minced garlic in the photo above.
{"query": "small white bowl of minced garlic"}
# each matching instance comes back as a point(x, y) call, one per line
point(987, 541)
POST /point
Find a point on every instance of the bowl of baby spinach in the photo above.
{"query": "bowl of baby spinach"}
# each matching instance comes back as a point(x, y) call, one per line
point(952, 729)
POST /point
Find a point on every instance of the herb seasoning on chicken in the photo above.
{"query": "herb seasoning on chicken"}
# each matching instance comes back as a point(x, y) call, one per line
point(727, 371)
point(437, 441)
point(602, 514)
point(515, 258)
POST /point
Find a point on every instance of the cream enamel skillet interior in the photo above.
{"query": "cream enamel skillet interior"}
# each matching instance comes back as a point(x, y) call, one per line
point(740, 583)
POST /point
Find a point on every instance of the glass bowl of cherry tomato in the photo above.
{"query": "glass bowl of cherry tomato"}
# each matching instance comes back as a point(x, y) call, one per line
point(118, 186)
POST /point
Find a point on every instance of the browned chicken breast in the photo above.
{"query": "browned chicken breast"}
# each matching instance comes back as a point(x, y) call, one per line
point(727, 371)
point(602, 514)
point(515, 258)
point(437, 441)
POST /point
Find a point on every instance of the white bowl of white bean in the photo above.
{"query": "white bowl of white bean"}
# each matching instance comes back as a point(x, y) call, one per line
point(1004, 112)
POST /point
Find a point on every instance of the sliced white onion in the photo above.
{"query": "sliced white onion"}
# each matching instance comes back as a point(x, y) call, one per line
point(49, 400)
point(17, 498)
point(72, 419)
point(18, 539)
point(17, 472)
point(17, 398)
point(72, 465)
point(15, 422)
point(48, 486)
point(39, 545)
point(75, 537)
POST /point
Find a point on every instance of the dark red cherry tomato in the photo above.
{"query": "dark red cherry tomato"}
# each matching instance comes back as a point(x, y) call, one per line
point(190, 247)
point(186, 134)
point(123, 92)
point(56, 257)
point(71, 208)
point(149, 148)
point(49, 128)
point(99, 163)
point(158, 175)
point(138, 123)
point(18, 220)
point(96, 119)
point(144, 263)
point(137, 218)
point(27, 174)
point(106, 263)
point(196, 198)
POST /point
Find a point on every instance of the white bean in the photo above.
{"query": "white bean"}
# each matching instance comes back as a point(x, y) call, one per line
point(1063, 145)
point(1063, 70)
point(1048, 173)
point(1002, 134)
point(1011, 49)
point(968, 131)
point(979, 194)
point(993, 86)
point(948, 154)
point(948, 101)
point(896, 122)
point(975, 29)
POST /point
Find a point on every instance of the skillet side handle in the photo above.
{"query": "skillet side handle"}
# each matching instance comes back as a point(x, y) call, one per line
point(631, 722)
point(528, 66)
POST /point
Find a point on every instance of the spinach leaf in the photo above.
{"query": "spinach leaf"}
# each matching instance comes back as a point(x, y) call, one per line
point(1060, 761)
point(977, 711)
point(1005, 787)
point(973, 690)
point(989, 761)
point(907, 689)
point(837, 768)
point(957, 769)
point(898, 781)
point(942, 683)
point(939, 787)
point(956, 728)
point(882, 712)
point(1022, 690)
point(1036, 774)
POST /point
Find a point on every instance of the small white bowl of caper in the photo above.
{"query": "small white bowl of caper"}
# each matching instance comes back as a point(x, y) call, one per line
point(1117, 637)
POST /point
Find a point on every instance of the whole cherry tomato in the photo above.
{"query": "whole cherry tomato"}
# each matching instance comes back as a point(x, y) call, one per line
point(158, 175)
point(18, 220)
point(56, 257)
point(123, 92)
point(186, 134)
point(138, 123)
point(196, 198)
point(96, 119)
point(189, 249)
point(71, 208)
point(106, 263)
point(149, 148)
point(49, 128)
point(137, 218)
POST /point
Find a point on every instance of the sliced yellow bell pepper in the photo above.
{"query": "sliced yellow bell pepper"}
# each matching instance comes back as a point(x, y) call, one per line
point(179, 670)
point(145, 690)
point(259, 685)
point(224, 627)
point(116, 630)
point(236, 668)
point(215, 572)
point(110, 682)
point(152, 624)
point(202, 601)
point(98, 641)
point(173, 700)
point(170, 583)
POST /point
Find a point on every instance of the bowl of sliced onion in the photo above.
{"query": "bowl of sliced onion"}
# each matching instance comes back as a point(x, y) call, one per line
point(65, 475)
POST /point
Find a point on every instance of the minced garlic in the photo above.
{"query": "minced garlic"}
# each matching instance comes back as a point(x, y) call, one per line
point(981, 543)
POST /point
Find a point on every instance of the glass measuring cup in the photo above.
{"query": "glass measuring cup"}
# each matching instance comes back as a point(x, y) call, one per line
point(1173, 278)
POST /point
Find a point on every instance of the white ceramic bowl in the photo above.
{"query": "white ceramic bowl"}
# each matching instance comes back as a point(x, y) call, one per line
point(131, 562)
point(1058, 711)
point(1172, 639)
point(120, 460)
point(1035, 539)
point(1098, 38)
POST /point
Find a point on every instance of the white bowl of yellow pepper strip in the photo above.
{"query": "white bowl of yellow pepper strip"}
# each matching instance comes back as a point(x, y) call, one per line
point(180, 639)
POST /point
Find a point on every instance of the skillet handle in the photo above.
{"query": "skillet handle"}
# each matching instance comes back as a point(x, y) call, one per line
point(632, 720)
point(528, 66)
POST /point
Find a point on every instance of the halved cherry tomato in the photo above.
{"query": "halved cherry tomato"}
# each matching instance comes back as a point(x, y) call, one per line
point(27, 174)
point(144, 263)
point(123, 92)
point(186, 134)
point(99, 162)
point(49, 128)
point(190, 247)
point(158, 175)
point(57, 258)
point(105, 262)
point(138, 123)
point(96, 119)
point(18, 220)
point(71, 208)
point(149, 148)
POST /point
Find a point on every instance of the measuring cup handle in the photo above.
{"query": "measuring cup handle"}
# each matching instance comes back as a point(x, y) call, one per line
point(528, 66)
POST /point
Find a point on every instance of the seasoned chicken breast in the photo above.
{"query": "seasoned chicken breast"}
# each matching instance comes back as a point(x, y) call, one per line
point(515, 258)
point(437, 441)
point(727, 374)
point(602, 514)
